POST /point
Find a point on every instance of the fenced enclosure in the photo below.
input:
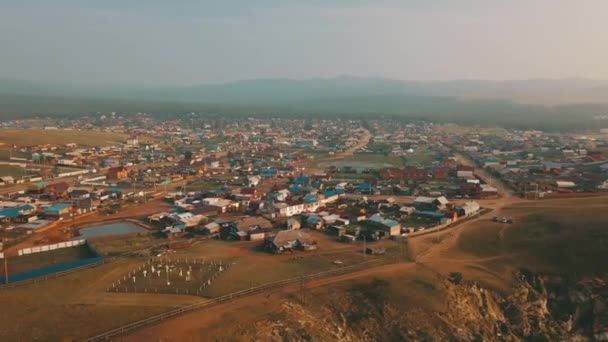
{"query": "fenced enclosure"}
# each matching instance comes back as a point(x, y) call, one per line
point(107, 336)
point(187, 276)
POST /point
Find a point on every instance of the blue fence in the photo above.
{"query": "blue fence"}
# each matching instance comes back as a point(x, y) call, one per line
point(44, 271)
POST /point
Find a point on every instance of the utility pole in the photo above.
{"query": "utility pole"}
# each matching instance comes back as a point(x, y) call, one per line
point(5, 269)
point(302, 290)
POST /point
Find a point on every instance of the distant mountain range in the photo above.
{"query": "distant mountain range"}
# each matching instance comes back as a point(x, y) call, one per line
point(286, 91)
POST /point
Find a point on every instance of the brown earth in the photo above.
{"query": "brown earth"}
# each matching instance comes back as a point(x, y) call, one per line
point(513, 282)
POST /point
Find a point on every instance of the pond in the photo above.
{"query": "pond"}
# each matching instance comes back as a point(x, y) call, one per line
point(116, 228)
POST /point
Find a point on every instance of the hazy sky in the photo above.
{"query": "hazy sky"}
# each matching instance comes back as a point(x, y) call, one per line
point(160, 42)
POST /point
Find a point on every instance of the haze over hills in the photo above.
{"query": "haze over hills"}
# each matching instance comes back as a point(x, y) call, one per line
point(277, 91)
point(541, 104)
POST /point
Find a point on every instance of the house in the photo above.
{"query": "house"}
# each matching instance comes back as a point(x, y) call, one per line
point(77, 194)
point(16, 213)
point(407, 210)
point(174, 231)
point(110, 162)
point(254, 180)
point(132, 141)
point(414, 173)
point(85, 205)
point(288, 210)
point(465, 174)
point(249, 227)
point(430, 203)
point(268, 173)
point(211, 228)
point(293, 223)
point(491, 162)
point(282, 195)
point(119, 172)
point(204, 210)
point(57, 190)
point(440, 172)
point(59, 210)
point(7, 179)
point(314, 221)
point(223, 205)
point(388, 226)
point(488, 191)
point(468, 209)
point(565, 184)
point(552, 167)
point(187, 219)
point(289, 240)
point(331, 196)
point(366, 188)
point(408, 173)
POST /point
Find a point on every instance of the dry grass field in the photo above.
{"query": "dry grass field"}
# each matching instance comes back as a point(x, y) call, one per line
point(553, 236)
point(12, 171)
point(75, 306)
point(415, 299)
point(25, 137)
point(79, 305)
point(251, 266)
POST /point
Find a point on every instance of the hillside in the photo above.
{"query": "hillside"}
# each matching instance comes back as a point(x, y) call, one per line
point(543, 278)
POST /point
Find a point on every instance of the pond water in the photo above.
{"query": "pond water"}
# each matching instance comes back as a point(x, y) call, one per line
point(116, 228)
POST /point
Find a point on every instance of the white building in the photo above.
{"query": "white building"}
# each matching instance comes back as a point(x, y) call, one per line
point(288, 210)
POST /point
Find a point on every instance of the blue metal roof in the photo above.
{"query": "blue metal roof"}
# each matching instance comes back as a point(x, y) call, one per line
point(433, 214)
point(313, 219)
point(219, 191)
point(9, 212)
point(365, 186)
point(58, 207)
point(302, 180)
point(310, 198)
point(269, 173)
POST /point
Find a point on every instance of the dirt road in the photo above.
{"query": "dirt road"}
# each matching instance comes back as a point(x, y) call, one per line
point(503, 191)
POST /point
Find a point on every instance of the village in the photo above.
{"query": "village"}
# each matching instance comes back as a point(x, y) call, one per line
point(203, 210)
point(281, 185)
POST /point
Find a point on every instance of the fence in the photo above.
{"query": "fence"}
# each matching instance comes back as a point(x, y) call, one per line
point(53, 269)
point(52, 247)
point(44, 277)
point(225, 298)
point(73, 173)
